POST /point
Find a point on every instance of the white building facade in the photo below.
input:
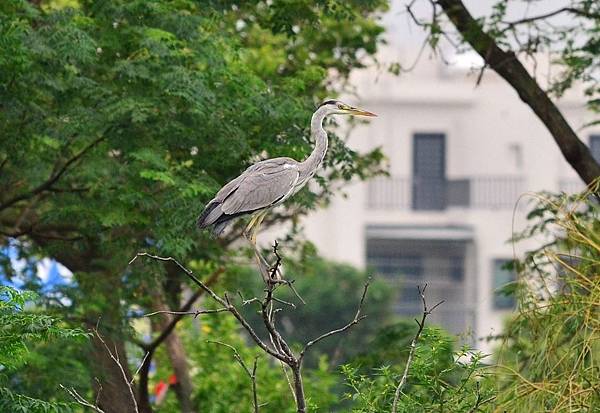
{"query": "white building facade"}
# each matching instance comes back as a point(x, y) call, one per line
point(460, 158)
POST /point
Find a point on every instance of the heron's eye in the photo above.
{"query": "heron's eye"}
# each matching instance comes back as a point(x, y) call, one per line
point(340, 106)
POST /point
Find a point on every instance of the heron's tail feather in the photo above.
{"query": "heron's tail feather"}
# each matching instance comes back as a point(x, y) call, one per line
point(214, 216)
point(220, 227)
point(210, 215)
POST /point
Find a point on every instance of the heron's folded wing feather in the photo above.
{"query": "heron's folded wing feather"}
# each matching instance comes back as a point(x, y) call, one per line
point(261, 186)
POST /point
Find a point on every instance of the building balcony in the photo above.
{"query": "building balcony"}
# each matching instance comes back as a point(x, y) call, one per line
point(438, 194)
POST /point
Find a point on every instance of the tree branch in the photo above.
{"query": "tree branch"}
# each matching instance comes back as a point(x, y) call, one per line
point(223, 301)
point(508, 66)
point(250, 373)
point(413, 345)
point(151, 347)
point(356, 320)
point(281, 350)
point(54, 177)
point(81, 400)
point(184, 310)
point(115, 357)
point(571, 10)
point(195, 313)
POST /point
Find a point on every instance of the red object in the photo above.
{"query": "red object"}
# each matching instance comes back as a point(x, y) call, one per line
point(172, 379)
point(160, 388)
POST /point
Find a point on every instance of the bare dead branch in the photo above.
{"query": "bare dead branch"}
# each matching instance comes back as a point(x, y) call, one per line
point(115, 357)
point(81, 400)
point(508, 66)
point(195, 313)
point(184, 309)
point(278, 348)
point(223, 301)
point(251, 373)
point(356, 320)
point(148, 354)
point(279, 300)
point(99, 390)
point(54, 177)
point(413, 345)
point(571, 10)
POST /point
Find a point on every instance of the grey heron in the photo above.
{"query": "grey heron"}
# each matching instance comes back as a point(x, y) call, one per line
point(271, 182)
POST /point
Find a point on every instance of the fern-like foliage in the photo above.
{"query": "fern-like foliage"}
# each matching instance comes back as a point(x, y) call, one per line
point(20, 326)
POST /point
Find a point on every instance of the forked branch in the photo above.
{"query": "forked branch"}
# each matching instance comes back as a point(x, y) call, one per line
point(413, 345)
point(250, 372)
point(278, 348)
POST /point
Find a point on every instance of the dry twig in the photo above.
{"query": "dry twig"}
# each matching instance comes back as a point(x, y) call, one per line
point(413, 345)
point(250, 372)
point(81, 400)
point(115, 357)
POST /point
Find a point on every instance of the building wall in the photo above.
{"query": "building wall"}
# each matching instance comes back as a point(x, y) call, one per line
point(489, 132)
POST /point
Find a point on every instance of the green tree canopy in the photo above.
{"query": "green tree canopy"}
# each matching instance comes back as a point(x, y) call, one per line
point(121, 119)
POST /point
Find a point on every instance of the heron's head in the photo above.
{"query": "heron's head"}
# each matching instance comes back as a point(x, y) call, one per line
point(335, 107)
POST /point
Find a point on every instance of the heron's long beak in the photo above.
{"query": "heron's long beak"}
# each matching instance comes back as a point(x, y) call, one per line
point(360, 112)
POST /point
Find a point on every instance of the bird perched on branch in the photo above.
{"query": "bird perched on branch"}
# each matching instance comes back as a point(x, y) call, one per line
point(270, 182)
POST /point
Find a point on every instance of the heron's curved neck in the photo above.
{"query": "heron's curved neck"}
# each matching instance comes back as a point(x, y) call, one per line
point(320, 137)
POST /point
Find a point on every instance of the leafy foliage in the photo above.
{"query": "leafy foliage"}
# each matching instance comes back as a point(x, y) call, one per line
point(439, 378)
point(558, 38)
point(20, 327)
point(550, 357)
point(19, 330)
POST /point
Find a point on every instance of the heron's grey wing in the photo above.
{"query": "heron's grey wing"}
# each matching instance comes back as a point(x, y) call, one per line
point(262, 186)
point(258, 187)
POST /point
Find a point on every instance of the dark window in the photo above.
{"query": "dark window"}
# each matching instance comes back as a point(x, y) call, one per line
point(429, 171)
point(501, 277)
point(457, 268)
point(595, 147)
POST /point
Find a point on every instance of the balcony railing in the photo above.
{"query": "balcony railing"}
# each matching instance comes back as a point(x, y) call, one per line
point(481, 192)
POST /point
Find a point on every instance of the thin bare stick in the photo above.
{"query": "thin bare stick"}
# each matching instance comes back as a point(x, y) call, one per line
point(279, 300)
point(275, 271)
point(195, 313)
point(413, 345)
point(99, 390)
point(572, 10)
point(290, 284)
point(79, 399)
point(356, 320)
point(139, 367)
point(115, 358)
point(250, 373)
point(223, 301)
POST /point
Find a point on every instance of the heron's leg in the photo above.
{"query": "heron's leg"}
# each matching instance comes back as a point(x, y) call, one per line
point(250, 232)
point(257, 225)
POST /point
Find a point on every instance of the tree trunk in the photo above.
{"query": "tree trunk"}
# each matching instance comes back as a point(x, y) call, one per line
point(112, 390)
point(507, 65)
point(100, 289)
